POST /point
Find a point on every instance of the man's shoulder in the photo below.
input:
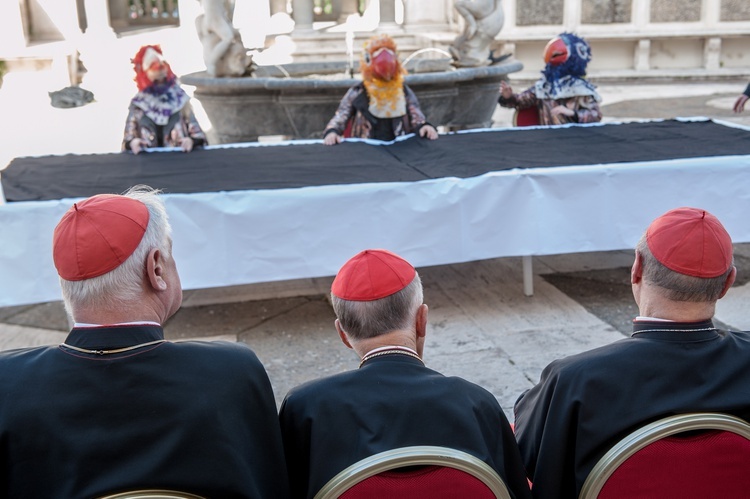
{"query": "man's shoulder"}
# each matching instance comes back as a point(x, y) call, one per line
point(589, 360)
point(222, 347)
point(456, 384)
point(739, 335)
point(228, 352)
point(316, 388)
point(338, 385)
point(21, 362)
point(21, 355)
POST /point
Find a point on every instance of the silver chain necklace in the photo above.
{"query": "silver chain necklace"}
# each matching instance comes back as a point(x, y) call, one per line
point(108, 352)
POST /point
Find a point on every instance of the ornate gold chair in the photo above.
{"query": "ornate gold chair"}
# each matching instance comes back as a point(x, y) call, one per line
point(414, 473)
point(686, 456)
point(152, 494)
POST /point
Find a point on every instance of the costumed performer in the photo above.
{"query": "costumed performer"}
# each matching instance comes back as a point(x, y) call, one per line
point(160, 114)
point(562, 95)
point(382, 107)
point(739, 104)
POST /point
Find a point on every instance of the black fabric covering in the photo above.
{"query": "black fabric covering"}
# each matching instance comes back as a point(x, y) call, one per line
point(299, 165)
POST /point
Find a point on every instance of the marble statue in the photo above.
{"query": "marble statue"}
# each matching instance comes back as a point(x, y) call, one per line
point(223, 51)
point(483, 21)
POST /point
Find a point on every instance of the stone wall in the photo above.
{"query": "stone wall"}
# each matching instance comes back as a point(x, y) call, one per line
point(606, 11)
point(735, 10)
point(668, 11)
point(532, 12)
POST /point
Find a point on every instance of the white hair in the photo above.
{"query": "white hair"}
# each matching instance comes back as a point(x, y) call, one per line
point(124, 283)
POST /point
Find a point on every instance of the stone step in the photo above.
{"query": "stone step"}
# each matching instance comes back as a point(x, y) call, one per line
point(332, 46)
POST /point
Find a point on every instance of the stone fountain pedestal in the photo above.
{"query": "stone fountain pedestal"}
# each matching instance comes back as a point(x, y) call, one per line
point(297, 100)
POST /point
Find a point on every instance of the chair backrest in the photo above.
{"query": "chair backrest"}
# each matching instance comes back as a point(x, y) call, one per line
point(152, 494)
point(415, 473)
point(685, 456)
point(528, 116)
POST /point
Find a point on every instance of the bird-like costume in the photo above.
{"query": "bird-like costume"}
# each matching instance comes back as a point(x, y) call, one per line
point(160, 113)
point(562, 83)
point(382, 107)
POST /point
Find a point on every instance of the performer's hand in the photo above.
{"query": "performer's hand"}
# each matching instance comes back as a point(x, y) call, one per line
point(136, 145)
point(186, 144)
point(557, 110)
point(506, 90)
point(429, 132)
point(739, 105)
point(332, 139)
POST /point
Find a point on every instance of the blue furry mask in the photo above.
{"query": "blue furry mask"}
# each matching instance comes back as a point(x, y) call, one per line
point(573, 62)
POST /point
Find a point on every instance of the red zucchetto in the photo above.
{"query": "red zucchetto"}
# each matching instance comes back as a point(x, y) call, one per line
point(690, 241)
point(97, 235)
point(371, 275)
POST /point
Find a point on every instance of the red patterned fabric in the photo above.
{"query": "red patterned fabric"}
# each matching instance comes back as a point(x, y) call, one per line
point(428, 482)
point(702, 465)
point(528, 116)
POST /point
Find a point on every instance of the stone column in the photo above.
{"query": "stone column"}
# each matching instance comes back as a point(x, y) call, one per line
point(572, 15)
point(712, 53)
point(641, 13)
point(642, 56)
point(277, 6)
point(388, 14)
point(711, 13)
point(509, 9)
point(347, 8)
point(302, 13)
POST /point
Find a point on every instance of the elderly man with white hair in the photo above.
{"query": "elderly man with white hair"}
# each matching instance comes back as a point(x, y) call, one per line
point(116, 407)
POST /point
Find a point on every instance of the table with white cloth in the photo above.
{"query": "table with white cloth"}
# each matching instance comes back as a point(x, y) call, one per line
point(260, 212)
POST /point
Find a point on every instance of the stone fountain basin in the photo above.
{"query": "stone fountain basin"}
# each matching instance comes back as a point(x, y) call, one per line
point(297, 100)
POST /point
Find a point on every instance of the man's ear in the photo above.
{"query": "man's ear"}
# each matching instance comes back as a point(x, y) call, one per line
point(342, 334)
point(728, 283)
point(421, 321)
point(636, 273)
point(155, 270)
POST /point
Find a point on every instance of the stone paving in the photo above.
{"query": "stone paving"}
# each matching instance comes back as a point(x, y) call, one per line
point(482, 327)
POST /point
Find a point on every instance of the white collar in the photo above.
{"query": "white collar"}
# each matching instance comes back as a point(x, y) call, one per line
point(641, 318)
point(81, 325)
point(389, 347)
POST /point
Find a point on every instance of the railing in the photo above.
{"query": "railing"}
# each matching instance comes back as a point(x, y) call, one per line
point(330, 10)
point(151, 12)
